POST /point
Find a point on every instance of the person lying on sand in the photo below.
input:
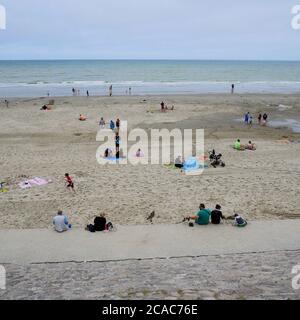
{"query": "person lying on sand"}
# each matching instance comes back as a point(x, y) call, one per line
point(202, 217)
point(82, 118)
point(61, 223)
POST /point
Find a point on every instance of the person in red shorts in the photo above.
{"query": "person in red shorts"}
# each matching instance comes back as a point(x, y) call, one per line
point(69, 181)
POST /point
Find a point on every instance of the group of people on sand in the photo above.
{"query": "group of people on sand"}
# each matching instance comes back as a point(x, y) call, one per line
point(262, 119)
point(61, 223)
point(239, 146)
point(206, 216)
point(164, 107)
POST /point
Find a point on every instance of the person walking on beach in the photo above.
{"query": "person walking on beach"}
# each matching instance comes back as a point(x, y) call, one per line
point(130, 91)
point(7, 103)
point(110, 90)
point(232, 88)
point(118, 124)
point(265, 119)
point(259, 118)
point(117, 139)
point(73, 91)
point(162, 105)
point(102, 123)
point(112, 125)
point(69, 182)
point(61, 223)
point(246, 118)
point(250, 121)
point(87, 93)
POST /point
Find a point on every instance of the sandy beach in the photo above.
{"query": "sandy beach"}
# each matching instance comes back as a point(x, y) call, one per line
point(261, 184)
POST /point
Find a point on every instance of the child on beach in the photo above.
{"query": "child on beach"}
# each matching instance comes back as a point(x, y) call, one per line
point(69, 181)
point(239, 221)
point(102, 123)
point(250, 146)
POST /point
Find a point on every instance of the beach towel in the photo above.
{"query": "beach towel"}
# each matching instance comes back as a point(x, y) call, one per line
point(2, 188)
point(35, 181)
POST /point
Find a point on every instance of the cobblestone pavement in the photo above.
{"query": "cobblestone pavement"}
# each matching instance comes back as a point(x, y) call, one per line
point(239, 276)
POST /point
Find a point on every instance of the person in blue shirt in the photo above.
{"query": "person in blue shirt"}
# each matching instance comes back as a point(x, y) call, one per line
point(246, 118)
point(112, 125)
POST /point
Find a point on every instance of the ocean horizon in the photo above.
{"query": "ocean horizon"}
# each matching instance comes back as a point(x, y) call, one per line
point(38, 78)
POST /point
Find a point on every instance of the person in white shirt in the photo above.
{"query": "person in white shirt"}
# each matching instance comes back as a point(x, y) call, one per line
point(61, 222)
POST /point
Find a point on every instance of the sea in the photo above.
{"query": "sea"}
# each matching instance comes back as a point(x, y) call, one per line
point(41, 78)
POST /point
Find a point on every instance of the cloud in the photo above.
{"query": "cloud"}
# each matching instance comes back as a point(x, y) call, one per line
point(134, 29)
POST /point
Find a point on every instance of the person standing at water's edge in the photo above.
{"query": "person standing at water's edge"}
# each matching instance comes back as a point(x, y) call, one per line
point(110, 90)
point(232, 88)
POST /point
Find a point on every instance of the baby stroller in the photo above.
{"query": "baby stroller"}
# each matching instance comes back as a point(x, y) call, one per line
point(215, 159)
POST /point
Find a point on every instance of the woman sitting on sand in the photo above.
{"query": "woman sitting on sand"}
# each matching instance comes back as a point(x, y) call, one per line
point(250, 146)
point(99, 224)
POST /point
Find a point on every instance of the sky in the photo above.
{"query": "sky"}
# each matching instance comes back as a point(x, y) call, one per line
point(150, 29)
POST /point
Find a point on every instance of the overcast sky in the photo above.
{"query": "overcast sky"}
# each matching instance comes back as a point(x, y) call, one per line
point(149, 29)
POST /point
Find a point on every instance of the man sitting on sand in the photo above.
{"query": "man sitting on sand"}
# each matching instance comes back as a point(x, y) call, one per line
point(202, 217)
point(217, 215)
point(61, 223)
